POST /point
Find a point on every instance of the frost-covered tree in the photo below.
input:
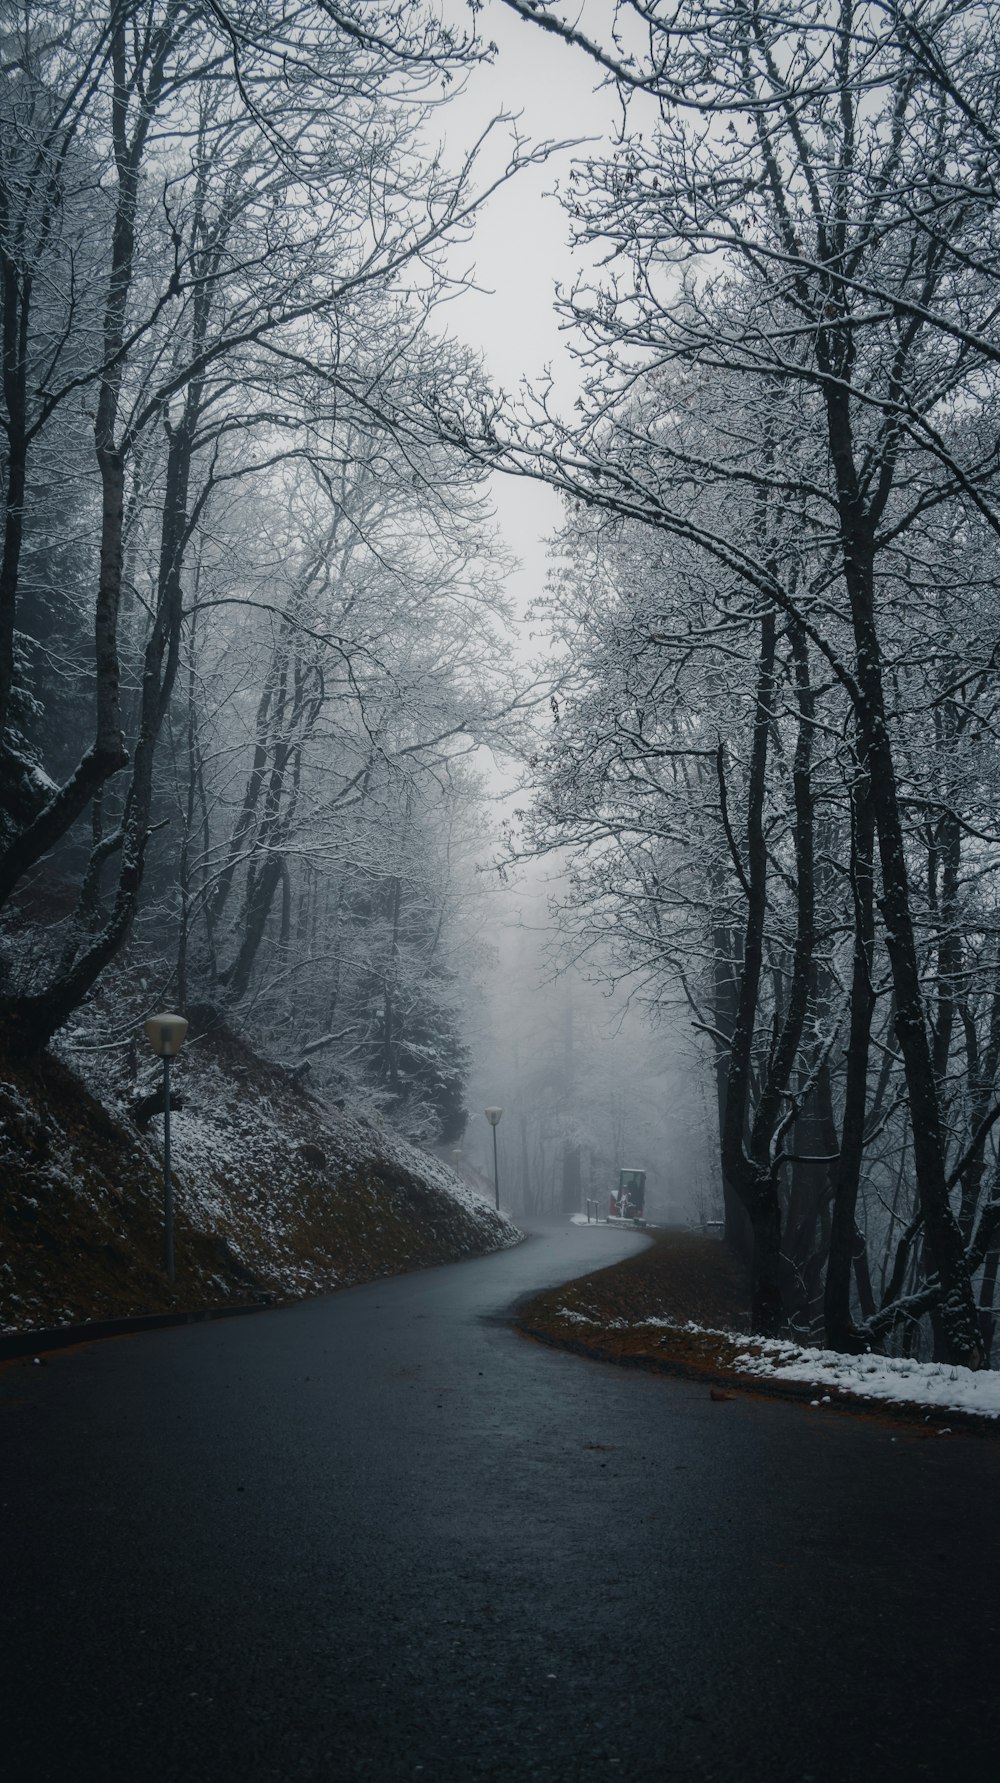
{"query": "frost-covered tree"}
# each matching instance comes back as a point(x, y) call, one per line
point(800, 221)
point(223, 231)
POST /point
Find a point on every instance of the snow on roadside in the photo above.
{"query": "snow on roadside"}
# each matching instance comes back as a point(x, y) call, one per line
point(239, 1159)
point(895, 1379)
point(237, 1149)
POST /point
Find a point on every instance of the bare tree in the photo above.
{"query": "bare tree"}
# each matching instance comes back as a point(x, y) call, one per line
point(811, 214)
point(257, 188)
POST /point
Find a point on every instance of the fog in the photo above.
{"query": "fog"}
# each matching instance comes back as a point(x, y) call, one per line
point(587, 1083)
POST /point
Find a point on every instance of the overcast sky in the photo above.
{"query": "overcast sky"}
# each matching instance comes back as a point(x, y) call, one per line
point(520, 248)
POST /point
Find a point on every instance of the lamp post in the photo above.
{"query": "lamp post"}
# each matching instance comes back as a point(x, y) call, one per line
point(493, 1116)
point(165, 1034)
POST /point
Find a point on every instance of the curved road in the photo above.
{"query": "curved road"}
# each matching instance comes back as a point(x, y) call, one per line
point(380, 1536)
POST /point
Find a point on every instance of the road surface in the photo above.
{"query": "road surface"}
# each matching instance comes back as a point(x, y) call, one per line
point(380, 1536)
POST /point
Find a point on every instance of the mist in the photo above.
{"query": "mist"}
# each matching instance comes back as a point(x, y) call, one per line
point(589, 1085)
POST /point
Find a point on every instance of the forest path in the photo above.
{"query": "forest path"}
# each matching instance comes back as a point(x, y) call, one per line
point(380, 1536)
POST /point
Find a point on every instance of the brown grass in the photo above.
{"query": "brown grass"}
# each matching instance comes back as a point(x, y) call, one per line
point(681, 1277)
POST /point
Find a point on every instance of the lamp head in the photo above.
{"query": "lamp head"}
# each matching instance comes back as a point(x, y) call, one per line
point(165, 1034)
point(493, 1115)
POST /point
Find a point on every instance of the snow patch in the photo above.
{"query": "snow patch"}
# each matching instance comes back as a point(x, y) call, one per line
point(895, 1379)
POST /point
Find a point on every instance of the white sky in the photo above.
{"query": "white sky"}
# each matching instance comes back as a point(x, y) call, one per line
point(520, 249)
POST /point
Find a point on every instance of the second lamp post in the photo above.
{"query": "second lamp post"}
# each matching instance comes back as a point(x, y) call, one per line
point(493, 1116)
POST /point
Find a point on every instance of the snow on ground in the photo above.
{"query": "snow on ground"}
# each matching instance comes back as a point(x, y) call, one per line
point(237, 1154)
point(896, 1379)
point(284, 1191)
point(235, 1136)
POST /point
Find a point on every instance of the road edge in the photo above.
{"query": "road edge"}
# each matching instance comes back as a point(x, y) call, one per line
point(63, 1337)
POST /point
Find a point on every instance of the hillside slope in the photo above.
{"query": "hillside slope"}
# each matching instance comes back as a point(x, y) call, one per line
point(274, 1192)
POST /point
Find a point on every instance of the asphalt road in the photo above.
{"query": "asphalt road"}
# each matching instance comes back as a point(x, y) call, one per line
point(380, 1536)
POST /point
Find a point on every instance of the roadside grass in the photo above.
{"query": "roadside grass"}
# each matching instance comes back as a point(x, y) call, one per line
point(680, 1278)
point(680, 1307)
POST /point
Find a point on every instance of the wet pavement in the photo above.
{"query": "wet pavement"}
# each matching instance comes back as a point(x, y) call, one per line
point(381, 1536)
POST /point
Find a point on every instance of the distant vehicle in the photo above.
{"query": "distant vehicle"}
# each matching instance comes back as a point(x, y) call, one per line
point(628, 1201)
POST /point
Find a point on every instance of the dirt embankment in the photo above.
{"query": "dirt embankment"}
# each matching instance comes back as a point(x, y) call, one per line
point(680, 1278)
point(681, 1307)
point(275, 1193)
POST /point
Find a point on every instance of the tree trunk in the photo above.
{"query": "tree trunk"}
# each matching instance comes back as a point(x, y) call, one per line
point(766, 1308)
point(738, 1230)
point(257, 911)
point(942, 1234)
point(16, 303)
point(36, 1017)
point(389, 1055)
point(804, 1241)
point(737, 1165)
point(839, 1326)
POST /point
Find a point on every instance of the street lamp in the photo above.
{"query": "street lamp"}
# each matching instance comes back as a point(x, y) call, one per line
point(493, 1116)
point(165, 1034)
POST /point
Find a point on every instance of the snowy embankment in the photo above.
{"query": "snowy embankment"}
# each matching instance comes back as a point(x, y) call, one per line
point(316, 1181)
point(277, 1192)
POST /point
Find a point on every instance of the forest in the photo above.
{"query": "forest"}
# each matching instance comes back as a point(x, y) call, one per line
point(256, 651)
point(253, 613)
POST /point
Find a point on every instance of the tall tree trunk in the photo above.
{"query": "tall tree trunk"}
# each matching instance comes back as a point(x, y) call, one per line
point(757, 1189)
point(766, 1303)
point(738, 1229)
point(839, 1326)
point(390, 1071)
point(35, 1018)
point(806, 1219)
point(245, 825)
point(16, 310)
point(942, 1234)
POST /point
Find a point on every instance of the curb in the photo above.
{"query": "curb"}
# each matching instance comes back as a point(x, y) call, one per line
point(62, 1337)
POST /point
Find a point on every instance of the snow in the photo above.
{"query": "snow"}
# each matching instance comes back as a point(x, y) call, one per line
point(616, 1224)
point(896, 1380)
point(893, 1380)
point(303, 1197)
point(219, 1131)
